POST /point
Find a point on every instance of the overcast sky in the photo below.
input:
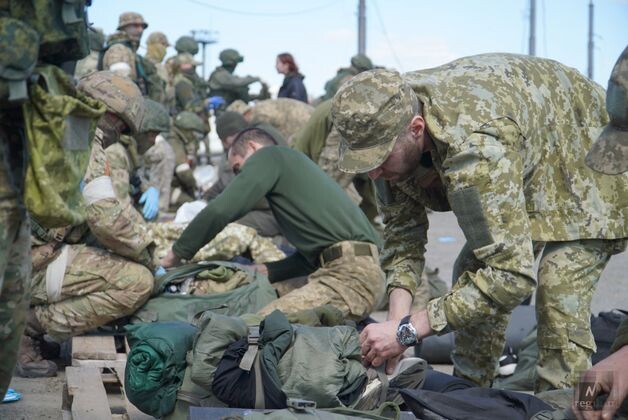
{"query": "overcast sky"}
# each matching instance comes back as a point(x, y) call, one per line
point(402, 34)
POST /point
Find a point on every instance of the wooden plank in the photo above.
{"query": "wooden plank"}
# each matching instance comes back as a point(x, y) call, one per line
point(99, 347)
point(133, 412)
point(119, 362)
point(89, 400)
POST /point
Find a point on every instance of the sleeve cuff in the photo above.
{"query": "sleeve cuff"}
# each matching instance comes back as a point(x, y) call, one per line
point(437, 317)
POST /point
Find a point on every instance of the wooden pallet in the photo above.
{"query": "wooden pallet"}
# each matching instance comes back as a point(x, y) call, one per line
point(94, 386)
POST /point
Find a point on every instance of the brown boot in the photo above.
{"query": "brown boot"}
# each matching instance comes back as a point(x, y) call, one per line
point(30, 364)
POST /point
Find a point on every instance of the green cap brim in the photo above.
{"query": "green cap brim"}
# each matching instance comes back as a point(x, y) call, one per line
point(357, 161)
point(609, 153)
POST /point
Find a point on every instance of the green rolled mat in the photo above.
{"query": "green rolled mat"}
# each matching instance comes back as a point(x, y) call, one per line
point(156, 364)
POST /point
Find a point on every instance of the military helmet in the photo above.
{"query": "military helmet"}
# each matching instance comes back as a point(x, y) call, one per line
point(158, 38)
point(187, 120)
point(361, 62)
point(370, 110)
point(239, 106)
point(186, 44)
point(128, 18)
point(121, 96)
point(96, 39)
point(156, 117)
point(609, 153)
point(230, 56)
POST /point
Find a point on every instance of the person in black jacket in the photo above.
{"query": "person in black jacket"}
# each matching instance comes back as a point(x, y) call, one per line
point(292, 86)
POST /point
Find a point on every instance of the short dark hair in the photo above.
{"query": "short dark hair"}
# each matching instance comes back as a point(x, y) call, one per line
point(244, 137)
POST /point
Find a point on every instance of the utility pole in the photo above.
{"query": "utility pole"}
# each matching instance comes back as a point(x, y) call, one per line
point(204, 37)
point(532, 41)
point(590, 46)
point(361, 26)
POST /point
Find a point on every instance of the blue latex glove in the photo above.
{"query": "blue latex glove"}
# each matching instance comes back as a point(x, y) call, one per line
point(215, 102)
point(150, 199)
point(160, 271)
point(82, 185)
point(11, 396)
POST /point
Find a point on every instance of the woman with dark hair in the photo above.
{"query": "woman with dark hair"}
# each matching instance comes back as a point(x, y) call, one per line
point(292, 86)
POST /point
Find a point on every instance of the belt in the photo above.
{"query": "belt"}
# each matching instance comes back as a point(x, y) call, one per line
point(360, 249)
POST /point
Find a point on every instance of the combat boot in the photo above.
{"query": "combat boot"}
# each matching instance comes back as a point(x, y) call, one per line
point(30, 364)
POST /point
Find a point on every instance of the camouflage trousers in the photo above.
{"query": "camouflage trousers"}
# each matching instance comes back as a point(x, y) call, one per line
point(15, 270)
point(567, 276)
point(353, 284)
point(235, 239)
point(98, 287)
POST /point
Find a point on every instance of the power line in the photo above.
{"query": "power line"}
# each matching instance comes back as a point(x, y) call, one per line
point(276, 14)
point(383, 28)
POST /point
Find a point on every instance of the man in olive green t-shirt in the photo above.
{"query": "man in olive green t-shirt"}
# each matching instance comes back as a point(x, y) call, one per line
point(336, 245)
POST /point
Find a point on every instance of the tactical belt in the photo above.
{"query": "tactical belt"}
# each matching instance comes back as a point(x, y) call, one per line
point(360, 249)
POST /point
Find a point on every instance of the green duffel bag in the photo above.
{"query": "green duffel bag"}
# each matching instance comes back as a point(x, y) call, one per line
point(249, 298)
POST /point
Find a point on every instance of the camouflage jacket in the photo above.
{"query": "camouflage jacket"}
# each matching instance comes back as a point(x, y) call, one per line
point(231, 87)
point(285, 114)
point(186, 94)
point(511, 133)
point(110, 223)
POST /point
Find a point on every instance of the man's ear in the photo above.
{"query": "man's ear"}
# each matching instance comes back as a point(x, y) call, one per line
point(417, 125)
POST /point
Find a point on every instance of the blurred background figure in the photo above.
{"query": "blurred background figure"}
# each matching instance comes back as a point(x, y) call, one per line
point(292, 86)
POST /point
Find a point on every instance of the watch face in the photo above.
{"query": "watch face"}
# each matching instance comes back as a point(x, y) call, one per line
point(406, 335)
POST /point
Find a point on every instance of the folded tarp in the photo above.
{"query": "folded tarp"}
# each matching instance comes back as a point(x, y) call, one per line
point(156, 364)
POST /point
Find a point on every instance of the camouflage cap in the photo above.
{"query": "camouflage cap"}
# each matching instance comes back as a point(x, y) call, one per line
point(230, 56)
point(609, 153)
point(128, 18)
point(361, 62)
point(121, 96)
point(185, 58)
point(229, 123)
point(186, 44)
point(156, 117)
point(370, 110)
point(187, 120)
point(158, 38)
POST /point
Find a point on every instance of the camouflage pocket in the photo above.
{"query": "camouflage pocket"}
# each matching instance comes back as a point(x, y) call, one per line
point(18, 57)
point(59, 123)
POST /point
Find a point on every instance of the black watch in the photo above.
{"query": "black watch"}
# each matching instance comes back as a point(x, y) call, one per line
point(406, 333)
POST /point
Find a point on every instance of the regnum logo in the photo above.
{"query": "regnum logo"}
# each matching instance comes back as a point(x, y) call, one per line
point(586, 395)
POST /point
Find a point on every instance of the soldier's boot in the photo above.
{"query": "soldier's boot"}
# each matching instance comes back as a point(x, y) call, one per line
point(30, 364)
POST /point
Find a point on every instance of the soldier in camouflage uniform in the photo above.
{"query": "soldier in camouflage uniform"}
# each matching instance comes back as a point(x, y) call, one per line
point(156, 45)
point(222, 82)
point(186, 93)
point(22, 49)
point(78, 287)
point(359, 63)
point(157, 156)
point(500, 140)
point(185, 44)
point(184, 136)
point(89, 64)
point(121, 57)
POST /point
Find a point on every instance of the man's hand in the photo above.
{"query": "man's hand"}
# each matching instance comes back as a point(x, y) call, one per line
point(170, 260)
point(379, 343)
point(611, 377)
